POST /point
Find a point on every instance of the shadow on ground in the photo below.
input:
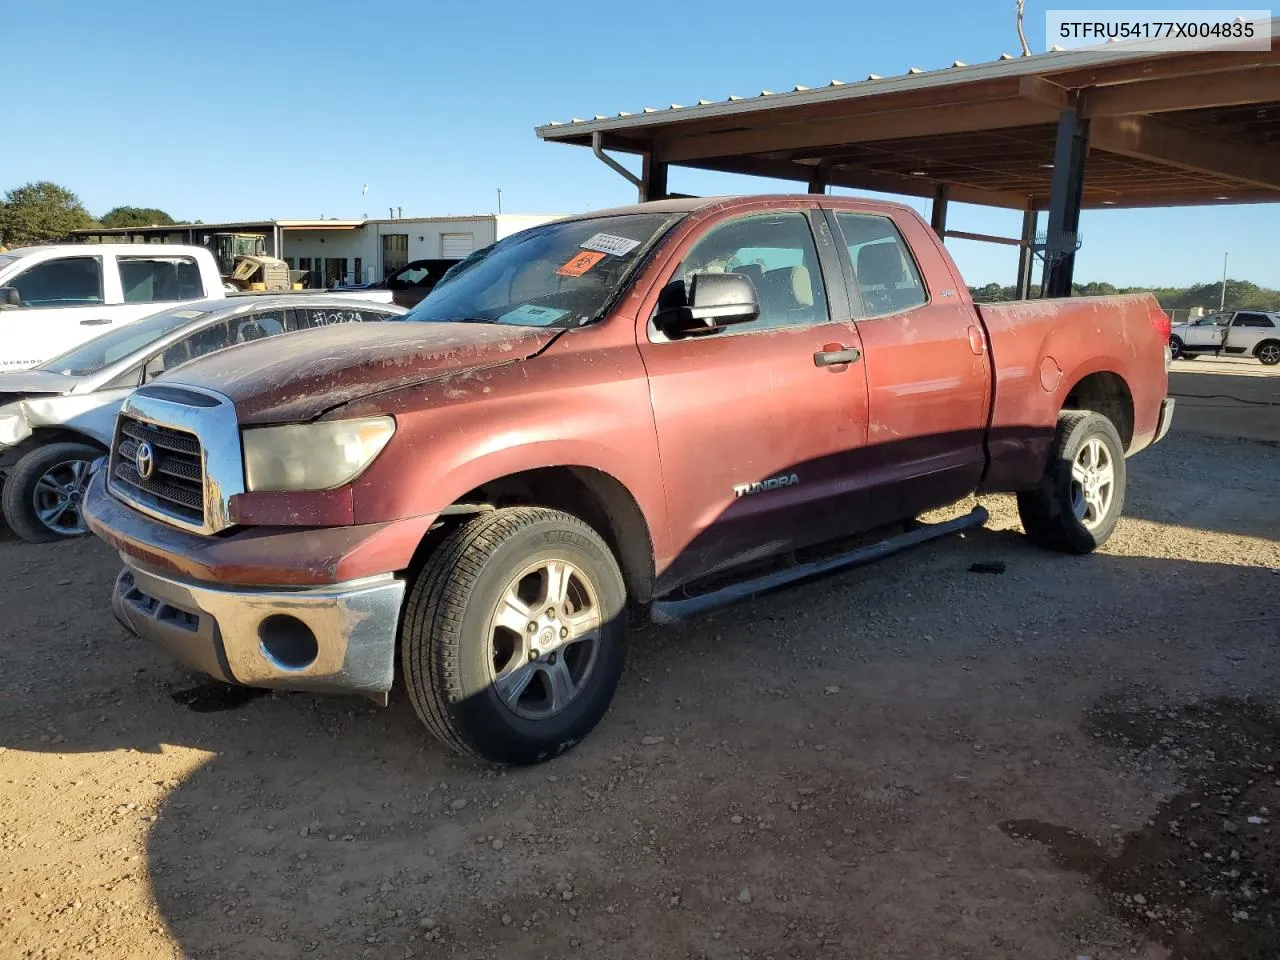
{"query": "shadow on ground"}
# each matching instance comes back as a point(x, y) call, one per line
point(821, 769)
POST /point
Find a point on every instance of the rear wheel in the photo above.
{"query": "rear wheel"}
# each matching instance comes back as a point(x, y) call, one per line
point(1077, 504)
point(43, 495)
point(1269, 352)
point(514, 635)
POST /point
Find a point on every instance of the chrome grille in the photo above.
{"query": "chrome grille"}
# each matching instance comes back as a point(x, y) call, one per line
point(176, 484)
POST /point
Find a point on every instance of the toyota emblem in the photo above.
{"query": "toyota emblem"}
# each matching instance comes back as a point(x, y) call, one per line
point(145, 461)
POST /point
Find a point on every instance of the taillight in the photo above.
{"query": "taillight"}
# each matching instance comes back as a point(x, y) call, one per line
point(1160, 320)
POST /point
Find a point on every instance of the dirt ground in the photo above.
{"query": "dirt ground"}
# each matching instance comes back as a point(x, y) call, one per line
point(1073, 758)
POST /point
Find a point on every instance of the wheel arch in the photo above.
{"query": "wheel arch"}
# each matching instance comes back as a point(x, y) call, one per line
point(43, 437)
point(1107, 393)
point(1257, 349)
point(597, 498)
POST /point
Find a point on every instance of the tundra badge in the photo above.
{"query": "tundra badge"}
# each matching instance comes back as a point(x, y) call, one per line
point(773, 483)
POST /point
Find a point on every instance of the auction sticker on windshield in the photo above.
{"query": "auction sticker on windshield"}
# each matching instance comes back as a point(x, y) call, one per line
point(607, 243)
point(580, 264)
point(530, 316)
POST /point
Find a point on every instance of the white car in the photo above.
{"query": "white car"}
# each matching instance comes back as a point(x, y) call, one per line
point(53, 298)
point(1245, 333)
point(57, 419)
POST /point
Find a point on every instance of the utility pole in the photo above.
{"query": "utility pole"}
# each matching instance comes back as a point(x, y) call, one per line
point(499, 201)
point(1222, 303)
point(364, 196)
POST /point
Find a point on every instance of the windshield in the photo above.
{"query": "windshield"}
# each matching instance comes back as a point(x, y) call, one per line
point(118, 344)
point(5, 260)
point(555, 275)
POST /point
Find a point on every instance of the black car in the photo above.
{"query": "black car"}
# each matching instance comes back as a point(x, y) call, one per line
point(410, 283)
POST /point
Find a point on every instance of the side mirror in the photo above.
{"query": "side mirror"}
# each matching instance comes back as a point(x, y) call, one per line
point(9, 297)
point(713, 300)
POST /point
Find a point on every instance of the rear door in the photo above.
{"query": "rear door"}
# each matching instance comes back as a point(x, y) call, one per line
point(1247, 330)
point(755, 437)
point(926, 363)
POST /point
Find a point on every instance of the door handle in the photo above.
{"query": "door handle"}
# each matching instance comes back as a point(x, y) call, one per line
point(835, 358)
point(95, 323)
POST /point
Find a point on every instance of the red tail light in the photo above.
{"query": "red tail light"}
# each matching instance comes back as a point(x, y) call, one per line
point(1160, 320)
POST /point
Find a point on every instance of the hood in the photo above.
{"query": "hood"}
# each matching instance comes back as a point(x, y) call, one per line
point(31, 383)
point(301, 375)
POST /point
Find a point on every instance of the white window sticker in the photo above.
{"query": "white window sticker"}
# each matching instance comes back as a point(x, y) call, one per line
point(607, 243)
point(528, 315)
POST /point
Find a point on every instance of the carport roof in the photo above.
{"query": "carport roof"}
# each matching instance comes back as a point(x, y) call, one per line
point(1166, 128)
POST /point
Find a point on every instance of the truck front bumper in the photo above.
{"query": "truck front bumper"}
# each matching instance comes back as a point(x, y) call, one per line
point(338, 638)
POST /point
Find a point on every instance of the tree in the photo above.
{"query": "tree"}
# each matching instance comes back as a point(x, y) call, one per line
point(136, 217)
point(40, 212)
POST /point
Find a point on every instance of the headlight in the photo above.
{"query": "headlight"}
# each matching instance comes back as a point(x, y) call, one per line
point(313, 456)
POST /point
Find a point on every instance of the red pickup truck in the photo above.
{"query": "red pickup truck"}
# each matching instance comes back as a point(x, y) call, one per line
point(665, 406)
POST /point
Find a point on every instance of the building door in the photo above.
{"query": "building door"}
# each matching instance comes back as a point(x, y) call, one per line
point(335, 271)
point(455, 246)
point(395, 252)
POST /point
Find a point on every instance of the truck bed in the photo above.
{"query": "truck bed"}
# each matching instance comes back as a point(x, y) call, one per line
point(1050, 355)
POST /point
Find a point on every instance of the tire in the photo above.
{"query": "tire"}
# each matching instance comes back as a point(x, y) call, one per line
point(1268, 352)
point(1175, 347)
point(65, 466)
point(1051, 512)
point(463, 669)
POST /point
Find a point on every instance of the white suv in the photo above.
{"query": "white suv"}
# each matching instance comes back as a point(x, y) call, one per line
point(1245, 333)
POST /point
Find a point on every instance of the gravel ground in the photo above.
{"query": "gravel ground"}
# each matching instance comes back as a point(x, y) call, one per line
point(1073, 758)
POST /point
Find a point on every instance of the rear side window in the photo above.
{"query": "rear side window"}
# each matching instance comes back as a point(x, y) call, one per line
point(68, 282)
point(885, 272)
point(159, 279)
point(307, 318)
point(1253, 320)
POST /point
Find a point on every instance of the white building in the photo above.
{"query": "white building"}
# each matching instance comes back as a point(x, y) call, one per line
point(341, 251)
point(331, 252)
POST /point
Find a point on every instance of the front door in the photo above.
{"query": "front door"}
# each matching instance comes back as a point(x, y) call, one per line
point(1208, 333)
point(62, 305)
point(754, 435)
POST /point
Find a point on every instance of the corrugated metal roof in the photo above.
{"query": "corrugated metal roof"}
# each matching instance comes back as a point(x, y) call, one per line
point(1007, 65)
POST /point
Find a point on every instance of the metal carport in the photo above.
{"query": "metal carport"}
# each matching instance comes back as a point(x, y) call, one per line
point(1058, 132)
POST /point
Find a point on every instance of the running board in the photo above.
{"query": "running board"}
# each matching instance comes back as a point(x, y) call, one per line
point(673, 611)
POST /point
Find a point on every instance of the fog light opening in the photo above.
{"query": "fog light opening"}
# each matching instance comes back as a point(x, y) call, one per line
point(288, 642)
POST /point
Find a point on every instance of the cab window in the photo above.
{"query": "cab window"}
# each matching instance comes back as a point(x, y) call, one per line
point(777, 254)
point(886, 274)
point(159, 279)
point(66, 282)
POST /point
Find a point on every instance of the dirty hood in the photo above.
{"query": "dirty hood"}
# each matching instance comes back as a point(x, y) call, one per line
point(299, 376)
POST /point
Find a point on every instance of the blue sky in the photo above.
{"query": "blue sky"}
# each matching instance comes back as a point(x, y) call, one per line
point(260, 109)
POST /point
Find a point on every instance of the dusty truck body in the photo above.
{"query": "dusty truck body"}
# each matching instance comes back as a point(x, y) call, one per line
point(641, 407)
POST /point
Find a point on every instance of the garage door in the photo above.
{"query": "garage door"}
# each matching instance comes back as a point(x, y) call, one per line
point(455, 246)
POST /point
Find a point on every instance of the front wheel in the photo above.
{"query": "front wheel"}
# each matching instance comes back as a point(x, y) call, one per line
point(514, 635)
point(1175, 347)
point(1269, 352)
point(43, 495)
point(1078, 502)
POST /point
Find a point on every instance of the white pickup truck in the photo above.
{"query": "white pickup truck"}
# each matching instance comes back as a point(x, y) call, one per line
point(53, 298)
